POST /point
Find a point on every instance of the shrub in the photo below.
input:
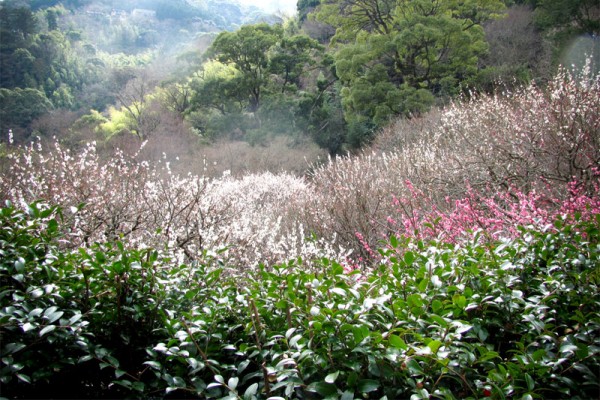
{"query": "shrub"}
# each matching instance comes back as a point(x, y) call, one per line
point(502, 318)
point(66, 316)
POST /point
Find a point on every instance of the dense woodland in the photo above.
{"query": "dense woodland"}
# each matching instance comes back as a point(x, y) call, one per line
point(209, 71)
point(374, 199)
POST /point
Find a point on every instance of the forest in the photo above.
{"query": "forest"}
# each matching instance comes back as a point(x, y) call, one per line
point(374, 199)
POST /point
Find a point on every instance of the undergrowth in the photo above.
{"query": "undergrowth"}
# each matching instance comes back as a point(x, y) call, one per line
point(504, 318)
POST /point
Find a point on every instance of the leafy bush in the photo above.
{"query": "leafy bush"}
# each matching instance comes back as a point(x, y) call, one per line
point(67, 315)
point(505, 318)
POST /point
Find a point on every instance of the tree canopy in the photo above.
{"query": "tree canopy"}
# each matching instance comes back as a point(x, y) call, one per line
point(395, 55)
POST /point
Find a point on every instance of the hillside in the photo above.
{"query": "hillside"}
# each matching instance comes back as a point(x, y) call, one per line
point(461, 262)
point(223, 81)
point(375, 199)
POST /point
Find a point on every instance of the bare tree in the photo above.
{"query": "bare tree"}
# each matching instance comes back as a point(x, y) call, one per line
point(135, 100)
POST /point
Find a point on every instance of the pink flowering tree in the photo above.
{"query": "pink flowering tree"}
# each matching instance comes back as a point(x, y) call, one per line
point(487, 164)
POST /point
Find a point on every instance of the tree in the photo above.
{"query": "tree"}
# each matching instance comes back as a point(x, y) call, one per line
point(395, 55)
point(320, 114)
point(290, 57)
point(245, 84)
point(217, 86)
point(305, 7)
point(19, 107)
point(135, 101)
point(247, 51)
point(177, 97)
point(17, 25)
point(17, 29)
point(581, 16)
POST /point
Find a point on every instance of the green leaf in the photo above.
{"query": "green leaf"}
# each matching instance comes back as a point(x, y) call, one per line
point(434, 345)
point(322, 388)
point(19, 264)
point(138, 386)
point(85, 358)
point(35, 313)
point(352, 379)
point(336, 269)
point(461, 327)
point(530, 382)
point(242, 366)
point(153, 364)
point(281, 304)
point(394, 241)
point(178, 382)
point(414, 367)
point(397, 342)
point(12, 348)
point(437, 306)
point(286, 362)
point(460, 301)
point(360, 333)
point(24, 378)
point(52, 225)
point(289, 333)
point(55, 316)
point(439, 320)
point(233, 382)
point(219, 378)
point(409, 258)
point(367, 385)
point(332, 377)
point(347, 395)
point(49, 311)
point(213, 385)
point(47, 329)
point(75, 318)
point(36, 293)
point(27, 326)
point(414, 300)
point(251, 391)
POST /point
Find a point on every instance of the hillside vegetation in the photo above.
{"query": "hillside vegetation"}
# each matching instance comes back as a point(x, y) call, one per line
point(231, 83)
point(467, 268)
point(374, 199)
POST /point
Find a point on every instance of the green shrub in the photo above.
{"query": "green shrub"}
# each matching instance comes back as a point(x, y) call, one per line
point(514, 318)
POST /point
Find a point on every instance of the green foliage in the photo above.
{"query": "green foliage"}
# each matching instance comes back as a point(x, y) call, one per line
point(246, 49)
point(19, 107)
point(85, 316)
point(394, 56)
point(118, 121)
point(305, 7)
point(257, 76)
point(579, 15)
point(291, 56)
point(36, 55)
point(512, 318)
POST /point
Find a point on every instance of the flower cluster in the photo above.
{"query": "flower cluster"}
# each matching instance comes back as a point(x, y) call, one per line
point(249, 220)
point(488, 164)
